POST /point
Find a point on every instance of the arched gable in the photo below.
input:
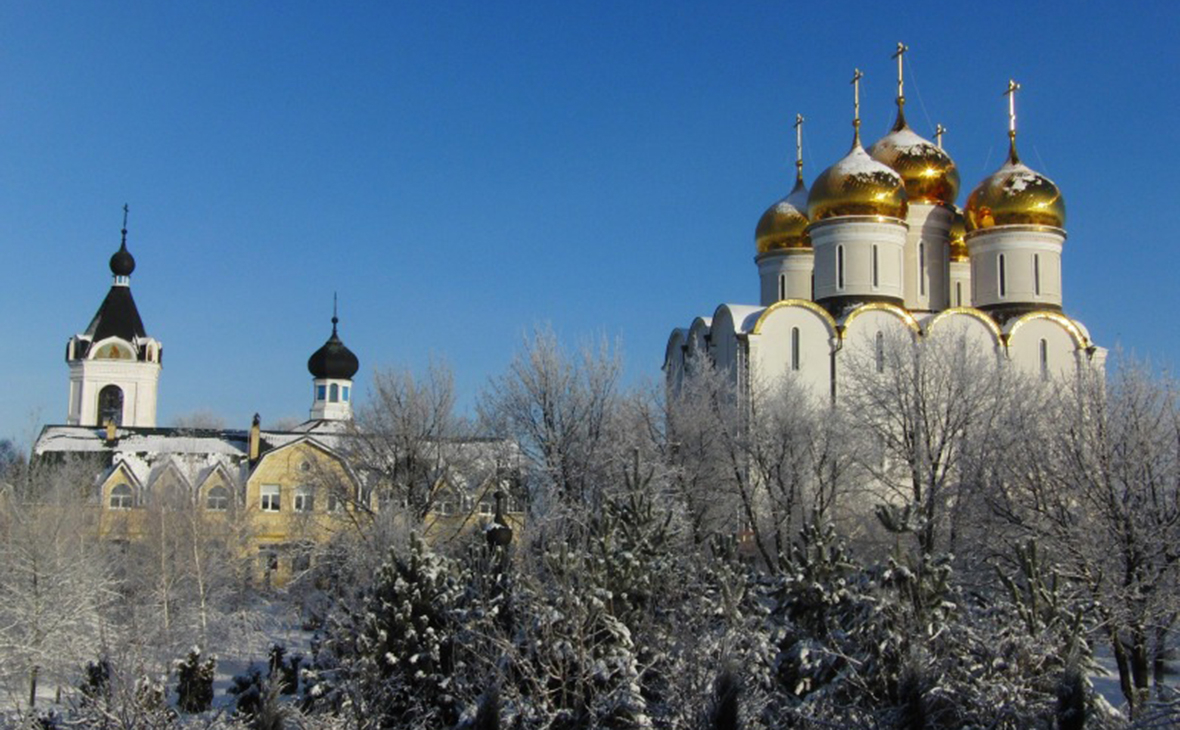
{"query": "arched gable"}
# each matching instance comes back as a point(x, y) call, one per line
point(698, 337)
point(968, 322)
point(900, 314)
point(730, 322)
point(1045, 343)
point(674, 353)
point(792, 340)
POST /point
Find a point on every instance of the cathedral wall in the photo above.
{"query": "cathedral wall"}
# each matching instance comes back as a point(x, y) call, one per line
point(793, 343)
point(1043, 346)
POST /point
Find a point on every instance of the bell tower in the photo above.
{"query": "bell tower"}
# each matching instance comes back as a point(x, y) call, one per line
point(114, 365)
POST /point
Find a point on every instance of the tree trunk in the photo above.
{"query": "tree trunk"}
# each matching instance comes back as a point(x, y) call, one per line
point(33, 685)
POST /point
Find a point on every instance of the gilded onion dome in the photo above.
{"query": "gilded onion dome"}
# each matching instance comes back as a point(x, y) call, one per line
point(957, 241)
point(857, 185)
point(784, 224)
point(1015, 195)
point(929, 174)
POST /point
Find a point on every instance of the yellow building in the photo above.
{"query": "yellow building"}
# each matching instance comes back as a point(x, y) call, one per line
point(275, 493)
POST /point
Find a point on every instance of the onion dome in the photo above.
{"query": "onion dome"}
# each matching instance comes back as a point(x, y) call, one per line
point(957, 242)
point(333, 361)
point(122, 262)
point(929, 174)
point(857, 185)
point(1015, 195)
point(784, 225)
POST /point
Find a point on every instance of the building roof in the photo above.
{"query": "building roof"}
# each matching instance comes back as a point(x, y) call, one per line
point(116, 317)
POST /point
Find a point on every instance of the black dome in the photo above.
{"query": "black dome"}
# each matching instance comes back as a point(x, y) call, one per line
point(333, 360)
point(122, 262)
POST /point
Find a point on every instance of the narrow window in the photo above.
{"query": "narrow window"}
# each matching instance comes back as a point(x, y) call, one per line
point(1037, 274)
point(958, 293)
point(344, 393)
point(270, 498)
point(812, 297)
point(794, 348)
point(1003, 278)
point(839, 267)
point(876, 270)
point(922, 268)
point(217, 500)
point(335, 504)
point(782, 287)
point(304, 500)
point(321, 392)
point(334, 392)
point(122, 497)
point(880, 352)
point(1044, 358)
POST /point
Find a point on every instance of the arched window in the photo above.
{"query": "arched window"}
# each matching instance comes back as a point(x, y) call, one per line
point(321, 392)
point(217, 500)
point(1003, 277)
point(876, 269)
point(958, 293)
point(880, 352)
point(839, 267)
point(782, 286)
point(334, 392)
point(1044, 358)
point(110, 405)
point(122, 497)
point(1037, 274)
point(794, 348)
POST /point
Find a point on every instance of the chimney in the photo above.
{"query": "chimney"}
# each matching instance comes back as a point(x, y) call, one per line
point(112, 437)
point(255, 438)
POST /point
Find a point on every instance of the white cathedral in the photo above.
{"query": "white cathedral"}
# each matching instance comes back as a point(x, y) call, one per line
point(877, 248)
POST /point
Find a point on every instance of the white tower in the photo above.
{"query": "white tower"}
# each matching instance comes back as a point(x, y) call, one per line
point(1015, 233)
point(114, 365)
point(857, 209)
point(332, 367)
point(786, 261)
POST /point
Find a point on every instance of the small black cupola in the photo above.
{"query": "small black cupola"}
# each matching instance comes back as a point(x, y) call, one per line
point(333, 361)
point(122, 262)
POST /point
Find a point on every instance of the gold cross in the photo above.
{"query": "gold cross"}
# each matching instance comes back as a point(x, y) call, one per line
point(898, 54)
point(799, 145)
point(856, 77)
point(1010, 92)
point(939, 130)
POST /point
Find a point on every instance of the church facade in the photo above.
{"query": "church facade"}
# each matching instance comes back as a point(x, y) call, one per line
point(876, 250)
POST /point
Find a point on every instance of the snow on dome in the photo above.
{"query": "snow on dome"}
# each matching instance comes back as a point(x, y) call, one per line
point(1015, 195)
point(857, 185)
point(784, 224)
point(929, 174)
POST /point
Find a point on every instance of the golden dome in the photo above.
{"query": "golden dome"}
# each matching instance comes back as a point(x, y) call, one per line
point(1015, 195)
point(857, 185)
point(784, 224)
point(929, 174)
point(957, 232)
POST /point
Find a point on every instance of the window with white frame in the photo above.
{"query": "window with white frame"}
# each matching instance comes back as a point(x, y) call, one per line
point(217, 500)
point(270, 495)
point(335, 504)
point(304, 499)
point(122, 497)
point(485, 508)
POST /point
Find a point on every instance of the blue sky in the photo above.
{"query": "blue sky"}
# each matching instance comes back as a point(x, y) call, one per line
point(460, 172)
